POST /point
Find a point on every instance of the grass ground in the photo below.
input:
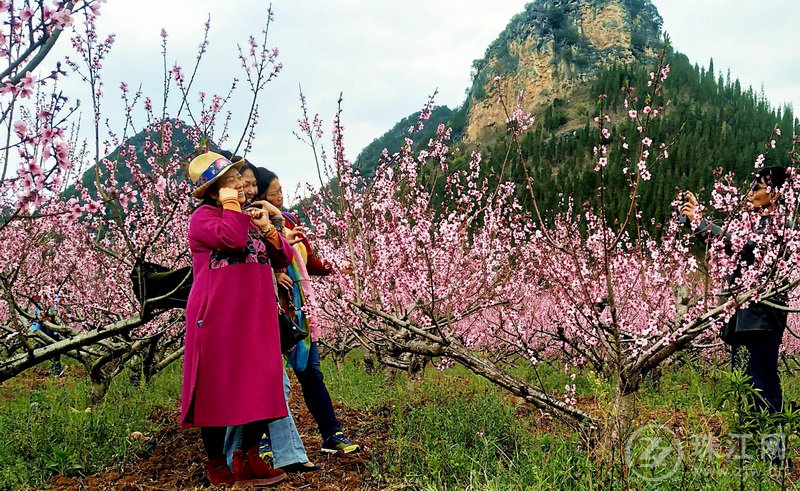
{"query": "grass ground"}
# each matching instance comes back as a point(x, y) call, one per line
point(451, 430)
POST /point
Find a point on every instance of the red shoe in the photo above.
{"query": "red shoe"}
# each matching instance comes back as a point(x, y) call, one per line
point(261, 469)
point(243, 473)
point(218, 472)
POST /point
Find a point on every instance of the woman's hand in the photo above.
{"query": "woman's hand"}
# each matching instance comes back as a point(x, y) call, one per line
point(284, 280)
point(295, 235)
point(269, 207)
point(689, 205)
point(227, 193)
point(259, 217)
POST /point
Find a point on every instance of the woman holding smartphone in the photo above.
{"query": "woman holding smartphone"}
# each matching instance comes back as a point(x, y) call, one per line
point(295, 288)
point(233, 371)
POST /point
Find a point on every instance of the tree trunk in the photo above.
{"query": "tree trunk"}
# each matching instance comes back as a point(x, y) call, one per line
point(99, 388)
point(624, 410)
point(136, 373)
point(407, 338)
point(164, 363)
point(17, 364)
point(416, 367)
point(339, 359)
point(515, 385)
point(369, 363)
point(622, 414)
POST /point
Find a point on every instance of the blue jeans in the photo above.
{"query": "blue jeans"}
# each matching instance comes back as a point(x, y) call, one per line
point(318, 401)
point(287, 448)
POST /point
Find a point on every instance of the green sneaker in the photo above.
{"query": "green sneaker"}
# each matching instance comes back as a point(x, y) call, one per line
point(338, 442)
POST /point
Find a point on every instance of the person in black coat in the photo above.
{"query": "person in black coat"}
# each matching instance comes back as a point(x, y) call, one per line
point(759, 328)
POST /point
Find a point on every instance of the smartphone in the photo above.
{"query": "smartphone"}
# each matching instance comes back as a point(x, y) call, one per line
point(682, 219)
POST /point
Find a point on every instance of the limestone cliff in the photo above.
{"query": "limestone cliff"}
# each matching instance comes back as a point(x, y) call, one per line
point(549, 51)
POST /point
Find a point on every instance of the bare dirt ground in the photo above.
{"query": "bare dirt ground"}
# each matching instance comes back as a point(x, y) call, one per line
point(174, 458)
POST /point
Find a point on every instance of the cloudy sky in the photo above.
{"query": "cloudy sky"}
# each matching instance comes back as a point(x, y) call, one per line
point(387, 56)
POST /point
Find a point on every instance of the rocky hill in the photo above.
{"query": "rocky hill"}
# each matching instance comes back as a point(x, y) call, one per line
point(551, 51)
point(556, 57)
point(547, 54)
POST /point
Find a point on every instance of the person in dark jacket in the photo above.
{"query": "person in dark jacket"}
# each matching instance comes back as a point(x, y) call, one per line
point(758, 328)
point(304, 357)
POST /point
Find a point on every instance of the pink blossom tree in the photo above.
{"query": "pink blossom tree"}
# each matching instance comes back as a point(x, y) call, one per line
point(75, 254)
point(452, 267)
point(37, 151)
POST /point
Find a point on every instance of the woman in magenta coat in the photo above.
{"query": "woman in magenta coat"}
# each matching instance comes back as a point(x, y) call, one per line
point(233, 372)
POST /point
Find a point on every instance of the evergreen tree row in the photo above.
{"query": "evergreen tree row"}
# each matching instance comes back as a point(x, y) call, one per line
point(710, 121)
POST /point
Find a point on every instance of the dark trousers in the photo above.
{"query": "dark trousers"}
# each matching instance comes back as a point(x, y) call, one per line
point(214, 437)
point(762, 367)
point(318, 401)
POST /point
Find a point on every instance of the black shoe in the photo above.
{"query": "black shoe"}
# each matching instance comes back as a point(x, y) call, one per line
point(299, 467)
